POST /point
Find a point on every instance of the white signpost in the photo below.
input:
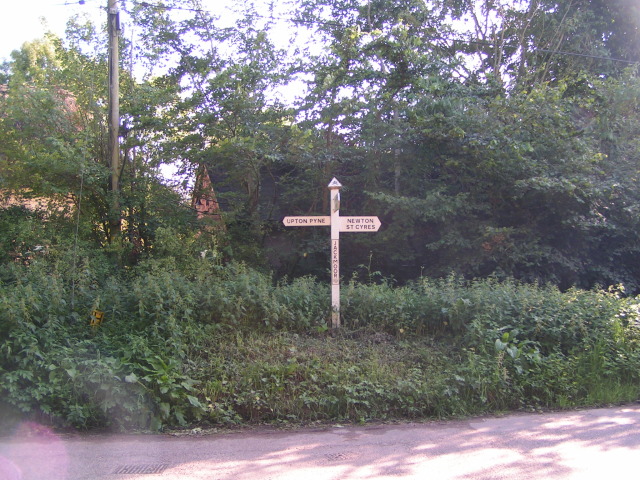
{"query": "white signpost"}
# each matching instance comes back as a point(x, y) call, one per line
point(338, 224)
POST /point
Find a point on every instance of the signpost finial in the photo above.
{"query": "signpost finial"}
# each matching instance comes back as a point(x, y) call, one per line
point(334, 183)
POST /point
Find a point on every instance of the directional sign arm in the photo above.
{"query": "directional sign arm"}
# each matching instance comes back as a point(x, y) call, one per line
point(359, 224)
point(307, 221)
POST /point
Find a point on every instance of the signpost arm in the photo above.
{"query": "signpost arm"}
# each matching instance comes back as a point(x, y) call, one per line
point(334, 189)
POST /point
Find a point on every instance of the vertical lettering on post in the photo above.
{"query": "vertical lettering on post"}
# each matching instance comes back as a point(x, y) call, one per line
point(335, 262)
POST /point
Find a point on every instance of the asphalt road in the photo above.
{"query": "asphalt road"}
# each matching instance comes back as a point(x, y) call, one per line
point(598, 444)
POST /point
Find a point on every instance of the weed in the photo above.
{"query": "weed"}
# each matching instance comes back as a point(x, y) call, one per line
point(225, 344)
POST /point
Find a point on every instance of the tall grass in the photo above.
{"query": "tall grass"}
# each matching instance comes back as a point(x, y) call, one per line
point(226, 344)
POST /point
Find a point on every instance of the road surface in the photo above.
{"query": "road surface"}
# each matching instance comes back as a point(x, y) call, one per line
point(582, 445)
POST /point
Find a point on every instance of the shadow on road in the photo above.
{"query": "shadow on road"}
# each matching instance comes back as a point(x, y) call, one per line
point(582, 444)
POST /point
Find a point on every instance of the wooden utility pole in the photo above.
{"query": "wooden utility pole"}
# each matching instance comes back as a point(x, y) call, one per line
point(114, 116)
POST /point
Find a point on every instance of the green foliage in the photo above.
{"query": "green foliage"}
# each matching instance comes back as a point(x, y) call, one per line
point(521, 164)
point(49, 364)
point(22, 232)
point(130, 371)
point(517, 172)
point(196, 343)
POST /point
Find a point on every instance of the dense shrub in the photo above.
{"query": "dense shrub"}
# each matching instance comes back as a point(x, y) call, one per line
point(226, 344)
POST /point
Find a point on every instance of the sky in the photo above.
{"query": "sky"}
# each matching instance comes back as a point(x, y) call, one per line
point(21, 20)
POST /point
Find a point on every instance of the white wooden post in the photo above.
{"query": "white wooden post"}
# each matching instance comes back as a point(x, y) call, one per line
point(334, 196)
point(338, 224)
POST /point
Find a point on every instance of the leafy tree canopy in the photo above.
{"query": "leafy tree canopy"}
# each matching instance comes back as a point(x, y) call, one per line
point(493, 138)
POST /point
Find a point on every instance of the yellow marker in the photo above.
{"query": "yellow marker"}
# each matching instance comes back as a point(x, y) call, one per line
point(96, 318)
